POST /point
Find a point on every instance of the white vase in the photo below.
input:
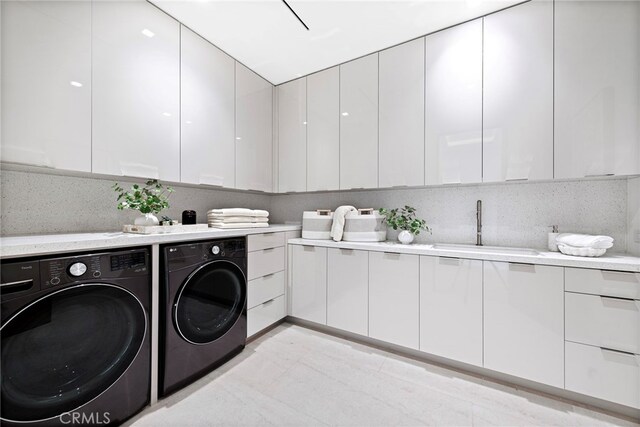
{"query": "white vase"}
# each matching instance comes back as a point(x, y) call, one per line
point(405, 237)
point(147, 219)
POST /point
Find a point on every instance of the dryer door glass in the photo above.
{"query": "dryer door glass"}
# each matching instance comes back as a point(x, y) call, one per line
point(65, 349)
point(210, 302)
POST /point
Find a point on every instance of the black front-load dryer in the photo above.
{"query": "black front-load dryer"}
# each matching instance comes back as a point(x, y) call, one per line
point(205, 309)
point(75, 338)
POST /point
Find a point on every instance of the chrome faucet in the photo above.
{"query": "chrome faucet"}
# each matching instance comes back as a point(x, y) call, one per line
point(479, 223)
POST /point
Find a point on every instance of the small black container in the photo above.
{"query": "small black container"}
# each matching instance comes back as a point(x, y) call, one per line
point(188, 217)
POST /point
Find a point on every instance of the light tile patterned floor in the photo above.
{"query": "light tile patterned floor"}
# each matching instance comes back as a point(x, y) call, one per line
point(294, 376)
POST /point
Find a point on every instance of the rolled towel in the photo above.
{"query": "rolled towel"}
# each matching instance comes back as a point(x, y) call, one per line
point(585, 241)
point(337, 227)
point(238, 212)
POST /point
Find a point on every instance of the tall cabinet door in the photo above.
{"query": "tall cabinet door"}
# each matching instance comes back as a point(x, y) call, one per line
point(309, 283)
point(518, 93)
point(402, 115)
point(46, 84)
point(359, 123)
point(597, 81)
point(136, 90)
point(292, 136)
point(323, 130)
point(394, 305)
point(454, 105)
point(451, 288)
point(524, 321)
point(254, 125)
point(208, 107)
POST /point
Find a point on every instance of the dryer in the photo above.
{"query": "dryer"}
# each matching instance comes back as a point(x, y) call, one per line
point(75, 338)
point(204, 303)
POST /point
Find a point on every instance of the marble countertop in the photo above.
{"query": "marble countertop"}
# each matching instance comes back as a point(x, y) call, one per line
point(23, 246)
point(620, 262)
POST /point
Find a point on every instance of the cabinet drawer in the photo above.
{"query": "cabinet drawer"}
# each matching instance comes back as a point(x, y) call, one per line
point(257, 242)
point(265, 288)
point(603, 282)
point(603, 321)
point(604, 374)
point(265, 315)
point(266, 261)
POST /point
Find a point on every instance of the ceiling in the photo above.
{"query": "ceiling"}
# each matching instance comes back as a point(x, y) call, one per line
point(266, 37)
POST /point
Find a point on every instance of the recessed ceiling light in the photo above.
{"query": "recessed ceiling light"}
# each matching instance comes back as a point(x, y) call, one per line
point(304, 123)
point(238, 138)
point(166, 114)
point(148, 33)
point(76, 84)
point(188, 122)
point(345, 114)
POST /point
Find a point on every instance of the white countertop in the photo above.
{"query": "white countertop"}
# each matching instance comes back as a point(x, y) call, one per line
point(618, 262)
point(22, 246)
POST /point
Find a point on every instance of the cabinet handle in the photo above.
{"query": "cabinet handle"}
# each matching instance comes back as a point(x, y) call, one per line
point(268, 302)
point(594, 175)
point(266, 276)
point(626, 353)
point(516, 179)
point(309, 248)
point(518, 266)
point(347, 250)
point(619, 276)
point(268, 250)
point(452, 182)
point(449, 260)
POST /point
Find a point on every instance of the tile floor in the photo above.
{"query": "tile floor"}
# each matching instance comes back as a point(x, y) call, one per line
point(294, 376)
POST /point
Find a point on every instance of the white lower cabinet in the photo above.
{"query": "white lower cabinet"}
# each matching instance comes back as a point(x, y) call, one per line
point(309, 283)
point(393, 298)
point(603, 373)
point(348, 290)
point(451, 308)
point(265, 315)
point(524, 321)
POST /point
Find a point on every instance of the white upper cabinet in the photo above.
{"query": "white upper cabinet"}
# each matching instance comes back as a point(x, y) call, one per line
point(323, 130)
point(254, 124)
point(46, 84)
point(292, 136)
point(597, 86)
point(208, 107)
point(136, 91)
point(518, 93)
point(454, 105)
point(359, 123)
point(402, 115)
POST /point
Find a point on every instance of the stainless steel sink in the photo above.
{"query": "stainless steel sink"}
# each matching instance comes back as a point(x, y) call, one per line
point(485, 249)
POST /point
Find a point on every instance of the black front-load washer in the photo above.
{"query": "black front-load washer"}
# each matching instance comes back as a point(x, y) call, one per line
point(205, 309)
point(75, 338)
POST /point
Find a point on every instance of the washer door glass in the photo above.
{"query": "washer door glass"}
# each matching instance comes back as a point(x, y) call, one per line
point(66, 348)
point(210, 302)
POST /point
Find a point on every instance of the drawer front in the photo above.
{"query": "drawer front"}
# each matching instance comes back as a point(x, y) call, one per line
point(257, 242)
point(603, 282)
point(266, 261)
point(265, 315)
point(604, 374)
point(603, 321)
point(265, 288)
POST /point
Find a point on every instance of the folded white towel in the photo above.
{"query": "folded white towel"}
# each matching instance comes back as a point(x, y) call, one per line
point(585, 241)
point(238, 212)
point(212, 218)
point(338, 221)
point(241, 225)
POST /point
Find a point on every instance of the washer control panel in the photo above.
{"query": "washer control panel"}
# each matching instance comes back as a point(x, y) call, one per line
point(120, 264)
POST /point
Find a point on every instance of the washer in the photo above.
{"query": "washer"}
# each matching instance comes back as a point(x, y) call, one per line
point(75, 338)
point(205, 309)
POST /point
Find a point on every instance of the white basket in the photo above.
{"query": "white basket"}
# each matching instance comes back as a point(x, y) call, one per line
point(317, 224)
point(366, 225)
point(586, 252)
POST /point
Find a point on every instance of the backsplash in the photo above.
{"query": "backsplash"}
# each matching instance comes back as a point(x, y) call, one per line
point(37, 203)
point(633, 216)
point(514, 214)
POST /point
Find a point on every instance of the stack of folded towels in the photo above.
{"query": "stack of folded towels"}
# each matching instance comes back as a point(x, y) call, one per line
point(583, 244)
point(238, 218)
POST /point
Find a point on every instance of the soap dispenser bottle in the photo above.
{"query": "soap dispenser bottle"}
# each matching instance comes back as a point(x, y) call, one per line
point(551, 242)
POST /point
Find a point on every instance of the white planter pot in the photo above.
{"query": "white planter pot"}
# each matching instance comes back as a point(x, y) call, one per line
point(405, 237)
point(147, 219)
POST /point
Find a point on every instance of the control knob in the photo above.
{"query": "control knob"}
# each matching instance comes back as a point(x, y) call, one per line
point(215, 250)
point(77, 269)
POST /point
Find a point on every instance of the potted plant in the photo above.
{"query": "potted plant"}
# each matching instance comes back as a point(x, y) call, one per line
point(149, 200)
point(404, 219)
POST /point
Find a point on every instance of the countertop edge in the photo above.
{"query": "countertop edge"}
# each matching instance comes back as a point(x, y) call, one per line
point(621, 262)
point(42, 245)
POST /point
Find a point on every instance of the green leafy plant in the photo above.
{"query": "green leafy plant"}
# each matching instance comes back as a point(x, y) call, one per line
point(404, 219)
point(150, 198)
